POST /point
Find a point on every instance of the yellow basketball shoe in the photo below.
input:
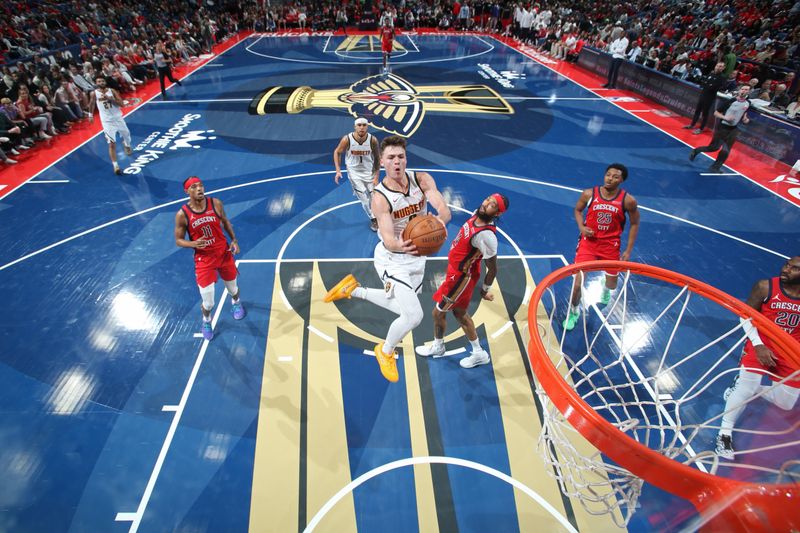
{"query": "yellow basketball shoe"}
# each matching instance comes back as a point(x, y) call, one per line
point(387, 363)
point(343, 289)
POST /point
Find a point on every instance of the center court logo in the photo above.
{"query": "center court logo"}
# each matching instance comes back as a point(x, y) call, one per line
point(389, 102)
point(174, 138)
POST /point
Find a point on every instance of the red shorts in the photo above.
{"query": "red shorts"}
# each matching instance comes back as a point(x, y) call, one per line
point(456, 291)
point(386, 46)
point(597, 250)
point(750, 361)
point(206, 267)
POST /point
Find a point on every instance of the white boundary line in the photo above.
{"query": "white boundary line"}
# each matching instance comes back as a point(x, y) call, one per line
point(46, 181)
point(640, 118)
point(162, 102)
point(132, 111)
point(294, 176)
point(363, 478)
point(135, 518)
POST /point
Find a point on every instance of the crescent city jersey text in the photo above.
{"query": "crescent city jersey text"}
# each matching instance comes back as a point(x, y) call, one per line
point(359, 157)
point(606, 217)
point(206, 225)
point(404, 205)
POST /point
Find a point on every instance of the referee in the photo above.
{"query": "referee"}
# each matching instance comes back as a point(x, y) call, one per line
point(730, 113)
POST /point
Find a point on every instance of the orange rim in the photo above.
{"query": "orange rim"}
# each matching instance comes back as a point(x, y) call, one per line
point(704, 490)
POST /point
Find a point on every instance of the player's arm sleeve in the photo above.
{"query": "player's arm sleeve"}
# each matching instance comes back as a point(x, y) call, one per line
point(486, 242)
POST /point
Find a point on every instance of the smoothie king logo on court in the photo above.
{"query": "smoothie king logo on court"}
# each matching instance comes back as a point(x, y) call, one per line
point(505, 78)
point(389, 102)
point(176, 137)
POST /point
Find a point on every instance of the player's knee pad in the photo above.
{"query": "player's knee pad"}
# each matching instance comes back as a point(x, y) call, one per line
point(207, 294)
point(231, 287)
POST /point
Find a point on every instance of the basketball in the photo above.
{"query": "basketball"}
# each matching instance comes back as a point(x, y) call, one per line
point(426, 232)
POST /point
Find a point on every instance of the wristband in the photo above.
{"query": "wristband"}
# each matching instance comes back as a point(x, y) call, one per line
point(750, 331)
point(485, 288)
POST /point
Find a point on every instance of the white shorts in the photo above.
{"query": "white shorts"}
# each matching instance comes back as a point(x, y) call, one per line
point(112, 127)
point(406, 269)
point(359, 176)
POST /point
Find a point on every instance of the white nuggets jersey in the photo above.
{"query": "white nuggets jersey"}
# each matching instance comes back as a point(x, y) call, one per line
point(108, 109)
point(404, 205)
point(359, 158)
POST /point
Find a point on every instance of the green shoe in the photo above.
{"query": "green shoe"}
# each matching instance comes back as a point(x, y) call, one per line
point(572, 319)
point(605, 296)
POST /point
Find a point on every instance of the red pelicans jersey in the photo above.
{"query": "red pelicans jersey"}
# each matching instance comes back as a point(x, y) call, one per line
point(206, 225)
point(463, 256)
point(784, 311)
point(606, 217)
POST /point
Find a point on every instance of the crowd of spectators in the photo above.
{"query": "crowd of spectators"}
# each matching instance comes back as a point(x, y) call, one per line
point(51, 52)
point(758, 40)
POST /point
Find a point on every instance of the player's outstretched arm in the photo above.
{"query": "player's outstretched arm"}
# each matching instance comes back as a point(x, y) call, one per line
point(226, 224)
point(435, 198)
point(632, 208)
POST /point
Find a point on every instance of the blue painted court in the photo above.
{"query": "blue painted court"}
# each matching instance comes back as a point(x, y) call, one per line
point(117, 416)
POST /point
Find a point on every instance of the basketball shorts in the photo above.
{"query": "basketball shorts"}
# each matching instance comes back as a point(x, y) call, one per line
point(206, 267)
point(781, 369)
point(386, 47)
point(456, 290)
point(402, 269)
point(360, 182)
point(597, 250)
point(112, 127)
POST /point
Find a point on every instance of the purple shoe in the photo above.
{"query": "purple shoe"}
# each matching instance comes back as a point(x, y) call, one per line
point(208, 333)
point(238, 311)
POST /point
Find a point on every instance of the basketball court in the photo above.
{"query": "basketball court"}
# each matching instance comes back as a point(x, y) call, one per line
point(118, 416)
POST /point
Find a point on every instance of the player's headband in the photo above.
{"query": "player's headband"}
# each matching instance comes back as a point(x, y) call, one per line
point(361, 120)
point(502, 204)
point(191, 180)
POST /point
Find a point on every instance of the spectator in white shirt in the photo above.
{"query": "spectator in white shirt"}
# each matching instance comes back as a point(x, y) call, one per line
point(617, 49)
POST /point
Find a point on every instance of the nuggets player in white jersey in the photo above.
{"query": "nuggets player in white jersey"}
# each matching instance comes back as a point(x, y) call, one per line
point(402, 195)
point(109, 107)
point(363, 165)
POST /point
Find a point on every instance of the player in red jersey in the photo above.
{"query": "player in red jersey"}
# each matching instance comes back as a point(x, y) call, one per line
point(387, 33)
point(601, 231)
point(475, 240)
point(778, 299)
point(203, 218)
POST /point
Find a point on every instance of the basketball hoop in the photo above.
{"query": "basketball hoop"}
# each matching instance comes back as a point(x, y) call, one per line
point(646, 421)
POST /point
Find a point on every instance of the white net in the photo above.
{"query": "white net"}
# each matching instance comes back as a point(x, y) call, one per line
point(655, 362)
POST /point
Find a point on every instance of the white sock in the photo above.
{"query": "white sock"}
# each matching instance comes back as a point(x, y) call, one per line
point(206, 318)
point(574, 309)
point(437, 342)
point(476, 345)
